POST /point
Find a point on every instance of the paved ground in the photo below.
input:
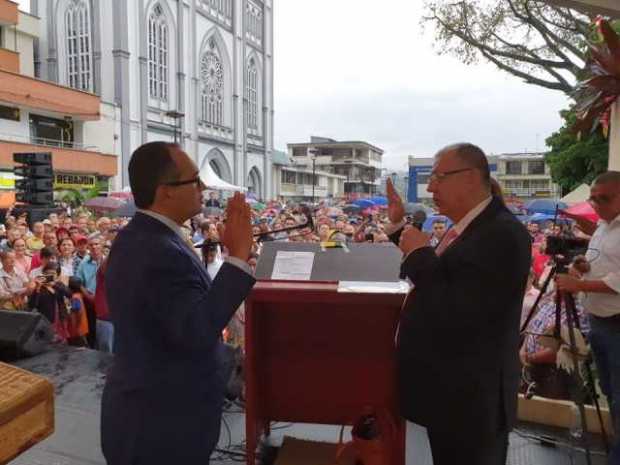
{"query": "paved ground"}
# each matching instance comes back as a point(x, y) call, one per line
point(78, 375)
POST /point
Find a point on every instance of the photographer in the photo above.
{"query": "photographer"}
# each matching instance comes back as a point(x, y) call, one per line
point(598, 277)
point(48, 298)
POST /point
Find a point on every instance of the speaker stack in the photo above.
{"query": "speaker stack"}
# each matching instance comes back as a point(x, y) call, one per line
point(34, 185)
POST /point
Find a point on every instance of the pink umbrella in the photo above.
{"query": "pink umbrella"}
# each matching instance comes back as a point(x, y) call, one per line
point(583, 209)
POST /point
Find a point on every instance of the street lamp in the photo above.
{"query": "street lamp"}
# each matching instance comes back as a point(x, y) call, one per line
point(313, 153)
point(176, 116)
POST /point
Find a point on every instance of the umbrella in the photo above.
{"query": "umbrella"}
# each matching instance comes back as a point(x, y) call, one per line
point(543, 206)
point(128, 209)
point(363, 203)
point(585, 210)
point(104, 203)
point(349, 209)
point(540, 217)
point(123, 195)
point(413, 207)
point(258, 206)
point(379, 201)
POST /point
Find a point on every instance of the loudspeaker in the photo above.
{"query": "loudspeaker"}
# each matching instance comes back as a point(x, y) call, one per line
point(23, 334)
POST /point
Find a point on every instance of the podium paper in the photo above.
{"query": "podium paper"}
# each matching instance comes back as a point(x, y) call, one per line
point(294, 266)
point(400, 287)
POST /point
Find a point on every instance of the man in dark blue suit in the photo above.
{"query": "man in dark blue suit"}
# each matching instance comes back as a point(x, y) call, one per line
point(163, 396)
point(458, 337)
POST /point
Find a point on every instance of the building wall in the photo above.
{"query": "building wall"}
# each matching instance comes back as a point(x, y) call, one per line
point(121, 75)
point(420, 169)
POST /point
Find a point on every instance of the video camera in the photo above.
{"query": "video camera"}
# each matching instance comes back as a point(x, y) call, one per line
point(568, 247)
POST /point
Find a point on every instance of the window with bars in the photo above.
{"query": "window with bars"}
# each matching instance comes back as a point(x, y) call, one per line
point(252, 94)
point(158, 54)
point(218, 7)
point(212, 85)
point(79, 59)
point(536, 167)
point(254, 22)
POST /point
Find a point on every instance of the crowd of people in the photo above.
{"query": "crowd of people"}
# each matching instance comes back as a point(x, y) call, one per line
point(57, 266)
point(54, 267)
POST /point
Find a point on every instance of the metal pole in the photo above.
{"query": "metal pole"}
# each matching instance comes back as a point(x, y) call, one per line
point(313, 177)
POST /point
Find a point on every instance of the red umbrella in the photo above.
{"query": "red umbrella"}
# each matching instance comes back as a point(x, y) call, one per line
point(583, 209)
point(104, 203)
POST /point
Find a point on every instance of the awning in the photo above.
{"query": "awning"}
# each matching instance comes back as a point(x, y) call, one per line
point(580, 194)
point(214, 182)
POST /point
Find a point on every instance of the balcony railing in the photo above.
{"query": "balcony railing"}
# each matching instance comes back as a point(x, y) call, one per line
point(47, 142)
point(530, 192)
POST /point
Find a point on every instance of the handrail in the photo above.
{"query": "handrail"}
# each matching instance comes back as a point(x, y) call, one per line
point(47, 142)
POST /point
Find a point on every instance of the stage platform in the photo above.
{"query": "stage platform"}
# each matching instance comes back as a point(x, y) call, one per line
point(79, 376)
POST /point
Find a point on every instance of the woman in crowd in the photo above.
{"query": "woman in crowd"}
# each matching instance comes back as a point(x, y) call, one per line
point(77, 322)
point(67, 259)
point(23, 260)
point(14, 284)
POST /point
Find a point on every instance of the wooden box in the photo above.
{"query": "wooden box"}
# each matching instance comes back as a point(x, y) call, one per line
point(26, 411)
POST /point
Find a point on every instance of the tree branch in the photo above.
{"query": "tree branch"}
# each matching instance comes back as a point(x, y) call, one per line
point(526, 77)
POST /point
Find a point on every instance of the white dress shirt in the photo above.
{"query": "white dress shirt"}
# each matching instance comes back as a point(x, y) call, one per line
point(604, 257)
point(177, 229)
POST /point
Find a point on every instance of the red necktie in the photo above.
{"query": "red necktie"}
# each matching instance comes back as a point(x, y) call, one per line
point(445, 243)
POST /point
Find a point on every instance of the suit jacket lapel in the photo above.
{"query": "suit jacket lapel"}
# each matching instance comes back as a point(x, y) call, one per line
point(160, 228)
point(489, 212)
point(199, 265)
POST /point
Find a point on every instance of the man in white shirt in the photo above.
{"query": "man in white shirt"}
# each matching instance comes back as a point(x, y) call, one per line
point(600, 282)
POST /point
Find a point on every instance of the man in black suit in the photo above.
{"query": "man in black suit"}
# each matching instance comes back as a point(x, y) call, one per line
point(163, 397)
point(458, 336)
point(213, 201)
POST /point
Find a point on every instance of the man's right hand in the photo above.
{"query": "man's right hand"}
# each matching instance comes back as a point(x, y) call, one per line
point(237, 234)
point(396, 210)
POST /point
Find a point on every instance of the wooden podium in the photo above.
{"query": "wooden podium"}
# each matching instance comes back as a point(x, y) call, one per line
point(316, 355)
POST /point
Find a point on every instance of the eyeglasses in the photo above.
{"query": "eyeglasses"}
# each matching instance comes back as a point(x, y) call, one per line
point(438, 177)
point(197, 181)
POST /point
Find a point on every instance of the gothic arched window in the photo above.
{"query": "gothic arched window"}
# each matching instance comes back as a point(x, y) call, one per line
point(212, 85)
point(79, 60)
point(252, 94)
point(158, 54)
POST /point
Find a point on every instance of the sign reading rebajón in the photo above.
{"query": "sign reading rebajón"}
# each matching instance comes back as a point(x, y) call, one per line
point(74, 181)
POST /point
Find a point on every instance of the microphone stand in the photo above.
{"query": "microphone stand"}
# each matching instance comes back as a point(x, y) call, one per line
point(262, 235)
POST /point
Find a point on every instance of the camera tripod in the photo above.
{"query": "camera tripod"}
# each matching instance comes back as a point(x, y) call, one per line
point(580, 392)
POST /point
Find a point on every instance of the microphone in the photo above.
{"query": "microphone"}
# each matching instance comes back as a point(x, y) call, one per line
point(260, 236)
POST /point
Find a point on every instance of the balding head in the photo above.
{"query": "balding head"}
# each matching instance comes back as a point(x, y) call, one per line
point(471, 156)
point(605, 195)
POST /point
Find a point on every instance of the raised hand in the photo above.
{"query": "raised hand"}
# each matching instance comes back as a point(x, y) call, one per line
point(396, 210)
point(237, 234)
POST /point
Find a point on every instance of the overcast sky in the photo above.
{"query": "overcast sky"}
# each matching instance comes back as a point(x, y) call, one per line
point(363, 70)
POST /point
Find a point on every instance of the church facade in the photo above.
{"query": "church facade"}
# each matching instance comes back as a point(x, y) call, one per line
point(199, 72)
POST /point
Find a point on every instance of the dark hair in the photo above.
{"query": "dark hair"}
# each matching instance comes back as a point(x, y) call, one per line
point(51, 267)
point(472, 156)
point(75, 284)
point(151, 164)
point(47, 252)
